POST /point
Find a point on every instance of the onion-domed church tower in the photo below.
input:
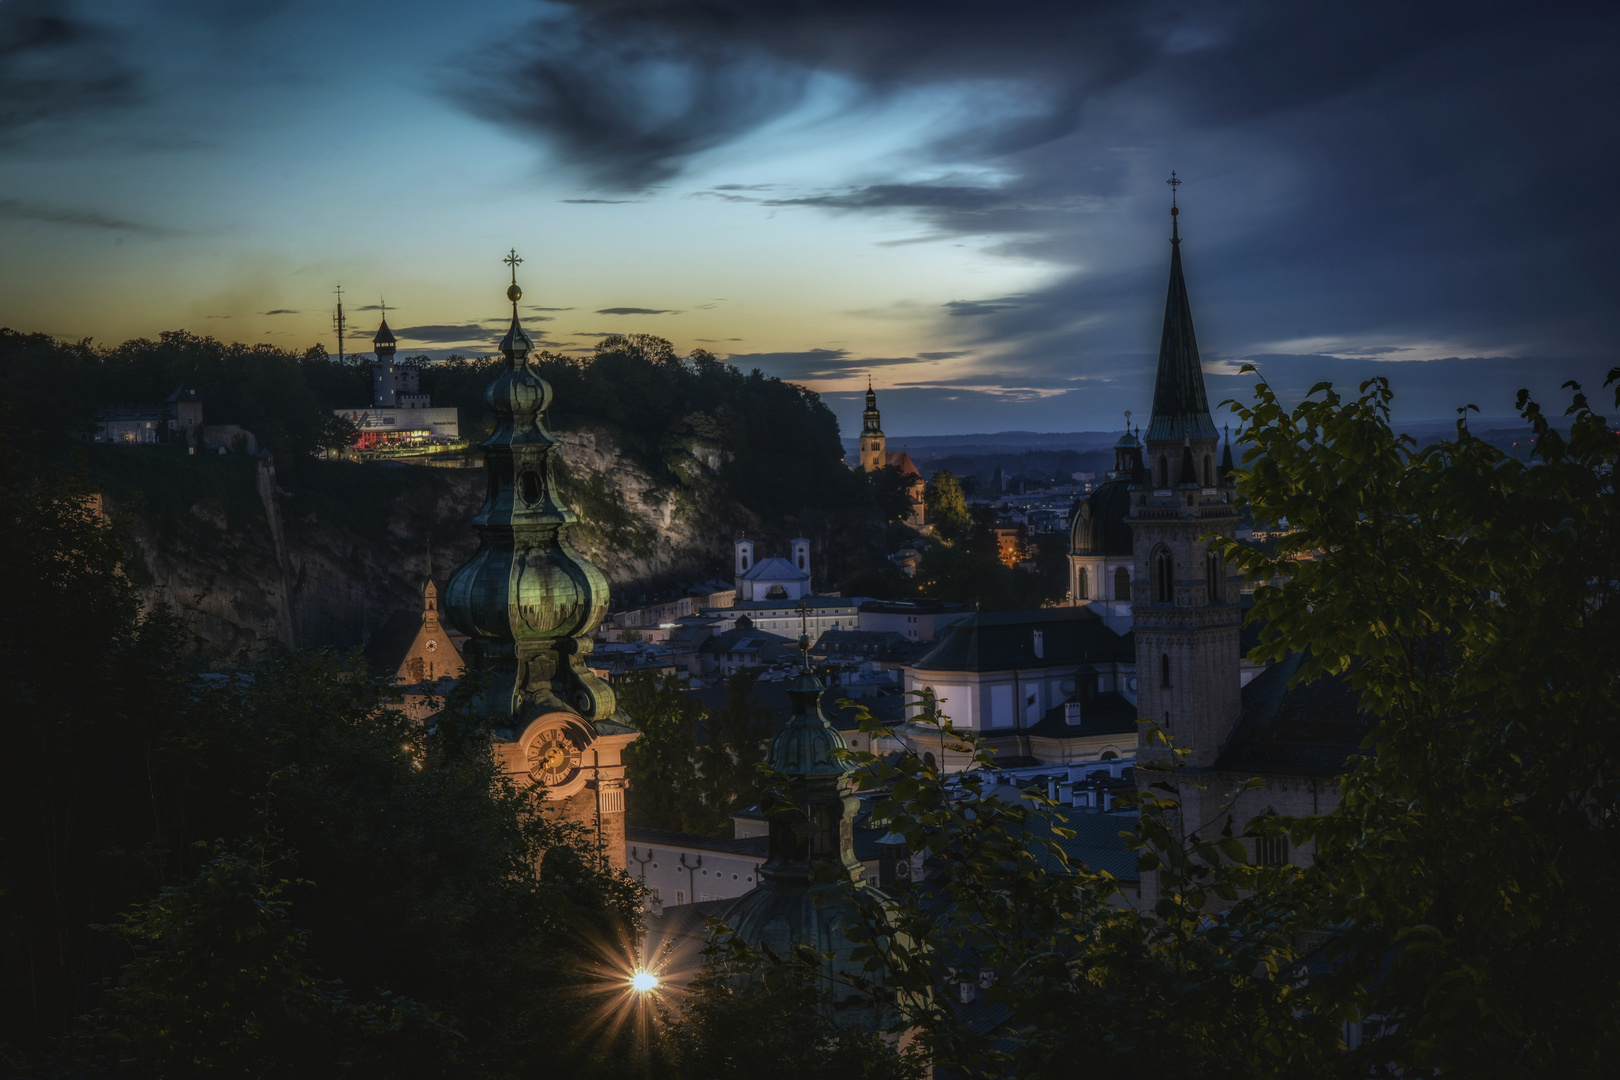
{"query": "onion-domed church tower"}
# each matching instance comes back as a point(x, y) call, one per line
point(1186, 607)
point(790, 907)
point(528, 601)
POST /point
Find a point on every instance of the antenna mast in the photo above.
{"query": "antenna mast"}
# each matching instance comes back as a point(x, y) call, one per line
point(338, 322)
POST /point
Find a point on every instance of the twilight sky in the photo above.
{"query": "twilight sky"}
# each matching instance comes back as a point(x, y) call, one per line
point(963, 199)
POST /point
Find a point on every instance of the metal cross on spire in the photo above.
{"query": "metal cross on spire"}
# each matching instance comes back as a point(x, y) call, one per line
point(382, 305)
point(514, 260)
point(1174, 183)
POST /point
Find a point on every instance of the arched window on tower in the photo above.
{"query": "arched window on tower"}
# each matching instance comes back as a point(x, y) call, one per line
point(1209, 471)
point(1164, 472)
point(1122, 584)
point(1164, 577)
point(1164, 669)
point(1212, 576)
point(1082, 585)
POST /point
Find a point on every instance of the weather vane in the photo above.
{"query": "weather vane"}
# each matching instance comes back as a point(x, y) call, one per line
point(514, 261)
point(1174, 183)
point(383, 306)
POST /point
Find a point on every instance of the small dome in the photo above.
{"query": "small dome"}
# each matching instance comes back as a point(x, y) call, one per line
point(1099, 524)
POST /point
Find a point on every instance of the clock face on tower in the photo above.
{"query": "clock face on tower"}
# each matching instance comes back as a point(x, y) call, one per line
point(553, 758)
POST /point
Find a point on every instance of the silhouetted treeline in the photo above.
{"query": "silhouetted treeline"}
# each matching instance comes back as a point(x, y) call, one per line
point(777, 442)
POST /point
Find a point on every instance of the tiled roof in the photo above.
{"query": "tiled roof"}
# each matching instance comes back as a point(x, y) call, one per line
point(1309, 730)
point(1003, 640)
point(1108, 713)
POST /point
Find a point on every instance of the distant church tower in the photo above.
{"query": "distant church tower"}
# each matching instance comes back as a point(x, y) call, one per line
point(1186, 608)
point(873, 444)
point(528, 602)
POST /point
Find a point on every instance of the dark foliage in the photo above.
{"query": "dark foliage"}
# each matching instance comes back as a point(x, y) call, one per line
point(368, 896)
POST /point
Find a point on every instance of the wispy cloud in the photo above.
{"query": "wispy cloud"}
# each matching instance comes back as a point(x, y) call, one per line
point(636, 311)
point(279, 311)
point(23, 210)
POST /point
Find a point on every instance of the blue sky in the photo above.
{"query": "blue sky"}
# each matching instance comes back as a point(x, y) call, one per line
point(963, 201)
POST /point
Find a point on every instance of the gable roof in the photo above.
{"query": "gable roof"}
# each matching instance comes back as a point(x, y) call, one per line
point(1309, 730)
point(902, 461)
point(775, 569)
point(1004, 640)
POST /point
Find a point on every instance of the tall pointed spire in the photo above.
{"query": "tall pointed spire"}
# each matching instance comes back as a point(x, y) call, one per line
point(1180, 406)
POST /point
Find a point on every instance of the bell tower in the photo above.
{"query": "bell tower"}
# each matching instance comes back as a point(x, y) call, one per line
point(1186, 609)
point(528, 601)
point(873, 456)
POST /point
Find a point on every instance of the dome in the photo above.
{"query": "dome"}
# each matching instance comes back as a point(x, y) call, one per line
point(1099, 525)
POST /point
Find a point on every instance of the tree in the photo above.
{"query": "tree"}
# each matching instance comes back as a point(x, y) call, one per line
point(1471, 600)
point(685, 782)
point(891, 490)
point(1459, 907)
point(947, 508)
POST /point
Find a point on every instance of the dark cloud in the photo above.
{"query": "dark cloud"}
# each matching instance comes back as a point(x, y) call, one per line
point(809, 364)
point(537, 307)
point(890, 196)
point(368, 307)
point(21, 210)
point(55, 67)
point(981, 307)
point(636, 311)
point(941, 355)
point(279, 311)
point(1390, 174)
point(601, 202)
point(443, 333)
point(625, 100)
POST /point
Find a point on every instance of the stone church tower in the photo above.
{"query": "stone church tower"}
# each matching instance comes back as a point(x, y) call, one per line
point(528, 601)
point(1186, 608)
point(874, 446)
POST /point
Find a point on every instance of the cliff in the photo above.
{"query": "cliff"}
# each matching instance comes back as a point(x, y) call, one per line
point(251, 553)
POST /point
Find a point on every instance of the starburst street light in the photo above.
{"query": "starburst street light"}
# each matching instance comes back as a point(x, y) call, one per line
point(643, 982)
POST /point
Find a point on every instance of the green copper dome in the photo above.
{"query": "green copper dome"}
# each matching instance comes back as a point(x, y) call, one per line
point(527, 598)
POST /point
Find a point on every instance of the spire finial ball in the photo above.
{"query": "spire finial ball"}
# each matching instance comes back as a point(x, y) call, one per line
point(1175, 211)
point(514, 294)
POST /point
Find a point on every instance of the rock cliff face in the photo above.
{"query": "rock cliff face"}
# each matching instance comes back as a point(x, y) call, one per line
point(356, 538)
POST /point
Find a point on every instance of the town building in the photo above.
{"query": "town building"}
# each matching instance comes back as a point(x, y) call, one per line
point(175, 419)
point(399, 415)
point(875, 455)
point(679, 868)
point(771, 578)
point(528, 602)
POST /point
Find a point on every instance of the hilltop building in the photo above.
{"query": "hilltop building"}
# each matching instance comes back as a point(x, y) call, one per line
point(175, 419)
point(399, 414)
point(528, 603)
point(875, 455)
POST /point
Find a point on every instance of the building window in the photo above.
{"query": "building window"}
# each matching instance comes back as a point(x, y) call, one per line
point(1271, 851)
point(1122, 584)
point(1164, 577)
point(1212, 572)
point(1082, 585)
point(1209, 472)
point(1164, 669)
point(1164, 472)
